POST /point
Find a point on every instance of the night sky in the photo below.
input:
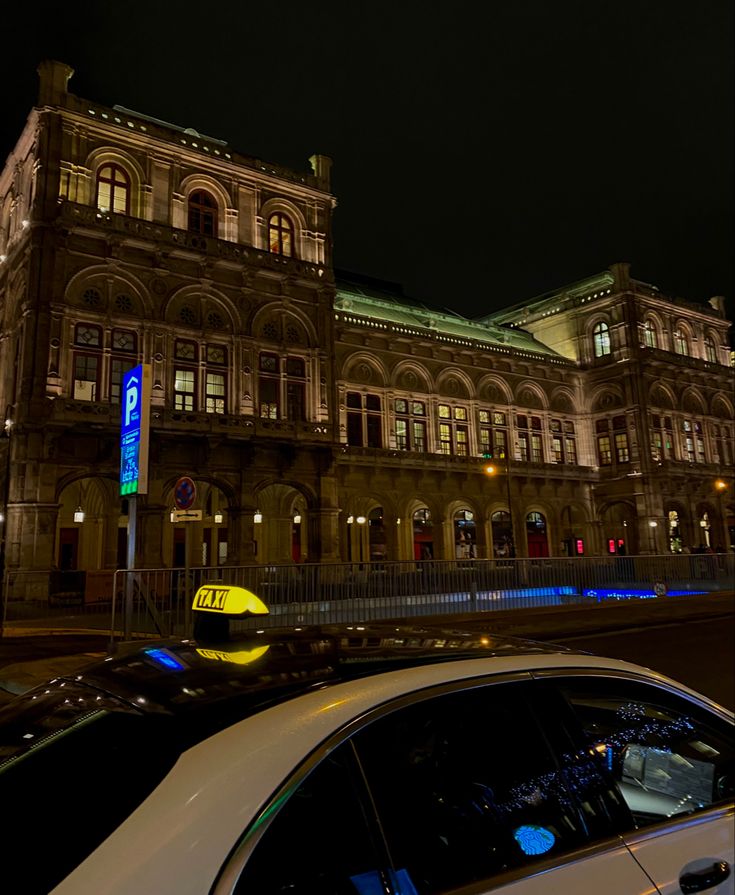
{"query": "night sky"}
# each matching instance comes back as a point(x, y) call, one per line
point(483, 154)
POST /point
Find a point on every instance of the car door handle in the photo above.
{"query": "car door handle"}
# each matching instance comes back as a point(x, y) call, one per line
point(704, 879)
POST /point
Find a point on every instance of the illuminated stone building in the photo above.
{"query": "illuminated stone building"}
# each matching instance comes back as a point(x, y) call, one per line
point(323, 416)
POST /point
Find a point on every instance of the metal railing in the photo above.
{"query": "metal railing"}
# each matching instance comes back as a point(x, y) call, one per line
point(156, 602)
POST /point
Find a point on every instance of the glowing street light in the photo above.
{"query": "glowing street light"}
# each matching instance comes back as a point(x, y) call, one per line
point(491, 469)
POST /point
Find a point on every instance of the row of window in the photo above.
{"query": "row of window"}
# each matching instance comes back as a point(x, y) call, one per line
point(681, 342)
point(112, 193)
point(453, 433)
point(200, 374)
point(612, 441)
point(200, 382)
point(690, 445)
point(602, 345)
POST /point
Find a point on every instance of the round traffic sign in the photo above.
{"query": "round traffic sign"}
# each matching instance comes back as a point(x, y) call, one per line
point(185, 492)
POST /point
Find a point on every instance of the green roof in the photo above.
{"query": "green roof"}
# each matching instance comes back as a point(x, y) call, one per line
point(385, 302)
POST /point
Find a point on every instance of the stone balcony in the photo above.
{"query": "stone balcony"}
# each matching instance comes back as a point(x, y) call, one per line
point(361, 456)
point(85, 217)
point(105, 416)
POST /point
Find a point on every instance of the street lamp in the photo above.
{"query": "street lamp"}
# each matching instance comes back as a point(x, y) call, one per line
point(653, 525)
point(490, 469)
point(721, 486)
point(5, 438)
point(361, 520)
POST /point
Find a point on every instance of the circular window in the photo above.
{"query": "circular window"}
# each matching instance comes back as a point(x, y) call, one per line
point(292, 334)
point(215, 321)
point(187, 315)
point(92, 298)
point(124, 303)
point(270, 331)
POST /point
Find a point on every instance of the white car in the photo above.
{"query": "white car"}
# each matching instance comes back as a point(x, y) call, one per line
point(357, 760)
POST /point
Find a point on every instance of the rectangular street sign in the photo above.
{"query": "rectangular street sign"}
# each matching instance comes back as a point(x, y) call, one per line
point(186, 515)
point(134, 430)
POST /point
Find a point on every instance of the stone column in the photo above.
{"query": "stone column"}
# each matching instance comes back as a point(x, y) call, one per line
point(151, 527)
point(324, 535)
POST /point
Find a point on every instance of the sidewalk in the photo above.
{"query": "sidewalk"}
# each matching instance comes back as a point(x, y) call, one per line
point(29, 657)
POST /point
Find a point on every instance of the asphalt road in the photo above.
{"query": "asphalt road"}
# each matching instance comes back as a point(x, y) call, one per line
point(700, 654)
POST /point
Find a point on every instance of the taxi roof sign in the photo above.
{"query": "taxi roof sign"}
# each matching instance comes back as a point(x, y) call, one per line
point(237, 657)
point(225, 599)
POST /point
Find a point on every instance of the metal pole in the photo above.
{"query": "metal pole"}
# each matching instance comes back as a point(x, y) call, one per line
point(187, 583)
point(5, 435)
point(510, 506)
point(132, 531)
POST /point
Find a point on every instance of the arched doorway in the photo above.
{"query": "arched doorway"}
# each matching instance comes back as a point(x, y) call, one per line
point(705, 529)
point(297, 527)
point(673, 528)
point(377, 542)
point(465, 535)
point(502, 532)
point(281, 525)
point(620, 535)
point(423, 534)
point(572, 532)
point(206, 539)
point(91, 526)
point(536, 535)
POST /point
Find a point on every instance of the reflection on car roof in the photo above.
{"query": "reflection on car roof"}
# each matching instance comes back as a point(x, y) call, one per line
point(272, 665)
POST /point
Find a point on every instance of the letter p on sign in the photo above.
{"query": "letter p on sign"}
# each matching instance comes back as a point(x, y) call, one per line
point(131, 399)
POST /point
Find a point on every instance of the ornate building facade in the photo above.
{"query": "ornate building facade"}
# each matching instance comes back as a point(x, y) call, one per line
point(323, 416)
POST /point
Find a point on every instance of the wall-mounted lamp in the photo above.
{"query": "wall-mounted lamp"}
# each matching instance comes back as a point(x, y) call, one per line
point(257, 517)
point(653, 523)
point(398, 521)
point(218, 518)
point(361, 520)
point(79, 512)
point(297, 519)
point(350, 520)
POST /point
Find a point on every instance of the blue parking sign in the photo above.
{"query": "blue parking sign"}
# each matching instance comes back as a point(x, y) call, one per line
point(134, 430)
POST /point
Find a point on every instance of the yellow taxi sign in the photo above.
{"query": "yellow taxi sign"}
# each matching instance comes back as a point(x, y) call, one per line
point(224, 599)
point(237, 657)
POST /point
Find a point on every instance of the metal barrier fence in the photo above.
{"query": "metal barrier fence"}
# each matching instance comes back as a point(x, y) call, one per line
point(156, 602)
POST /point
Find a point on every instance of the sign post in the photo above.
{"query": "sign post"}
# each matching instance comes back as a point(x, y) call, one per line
point(134, 439)
point(185, 492)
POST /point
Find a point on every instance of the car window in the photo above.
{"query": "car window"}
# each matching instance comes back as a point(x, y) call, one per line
point(667, 755)
point(321, 841)
point(74, 764)
point(466, 787)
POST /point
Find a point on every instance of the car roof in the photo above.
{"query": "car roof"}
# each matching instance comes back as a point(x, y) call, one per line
point(264, 667)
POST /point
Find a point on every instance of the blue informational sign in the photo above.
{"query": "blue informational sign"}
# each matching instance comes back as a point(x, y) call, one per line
point(134, 427)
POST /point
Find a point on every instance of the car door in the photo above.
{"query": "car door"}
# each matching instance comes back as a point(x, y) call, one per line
point(470, 791)
point(672, 759)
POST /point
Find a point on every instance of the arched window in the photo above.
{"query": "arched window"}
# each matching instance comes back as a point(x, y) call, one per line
point(710, 350)
point(681, 344)
point(650, 337)
point(280, 234)
point(87, 362)
point(113, 189)
point(601, 339)
point(202, 213)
